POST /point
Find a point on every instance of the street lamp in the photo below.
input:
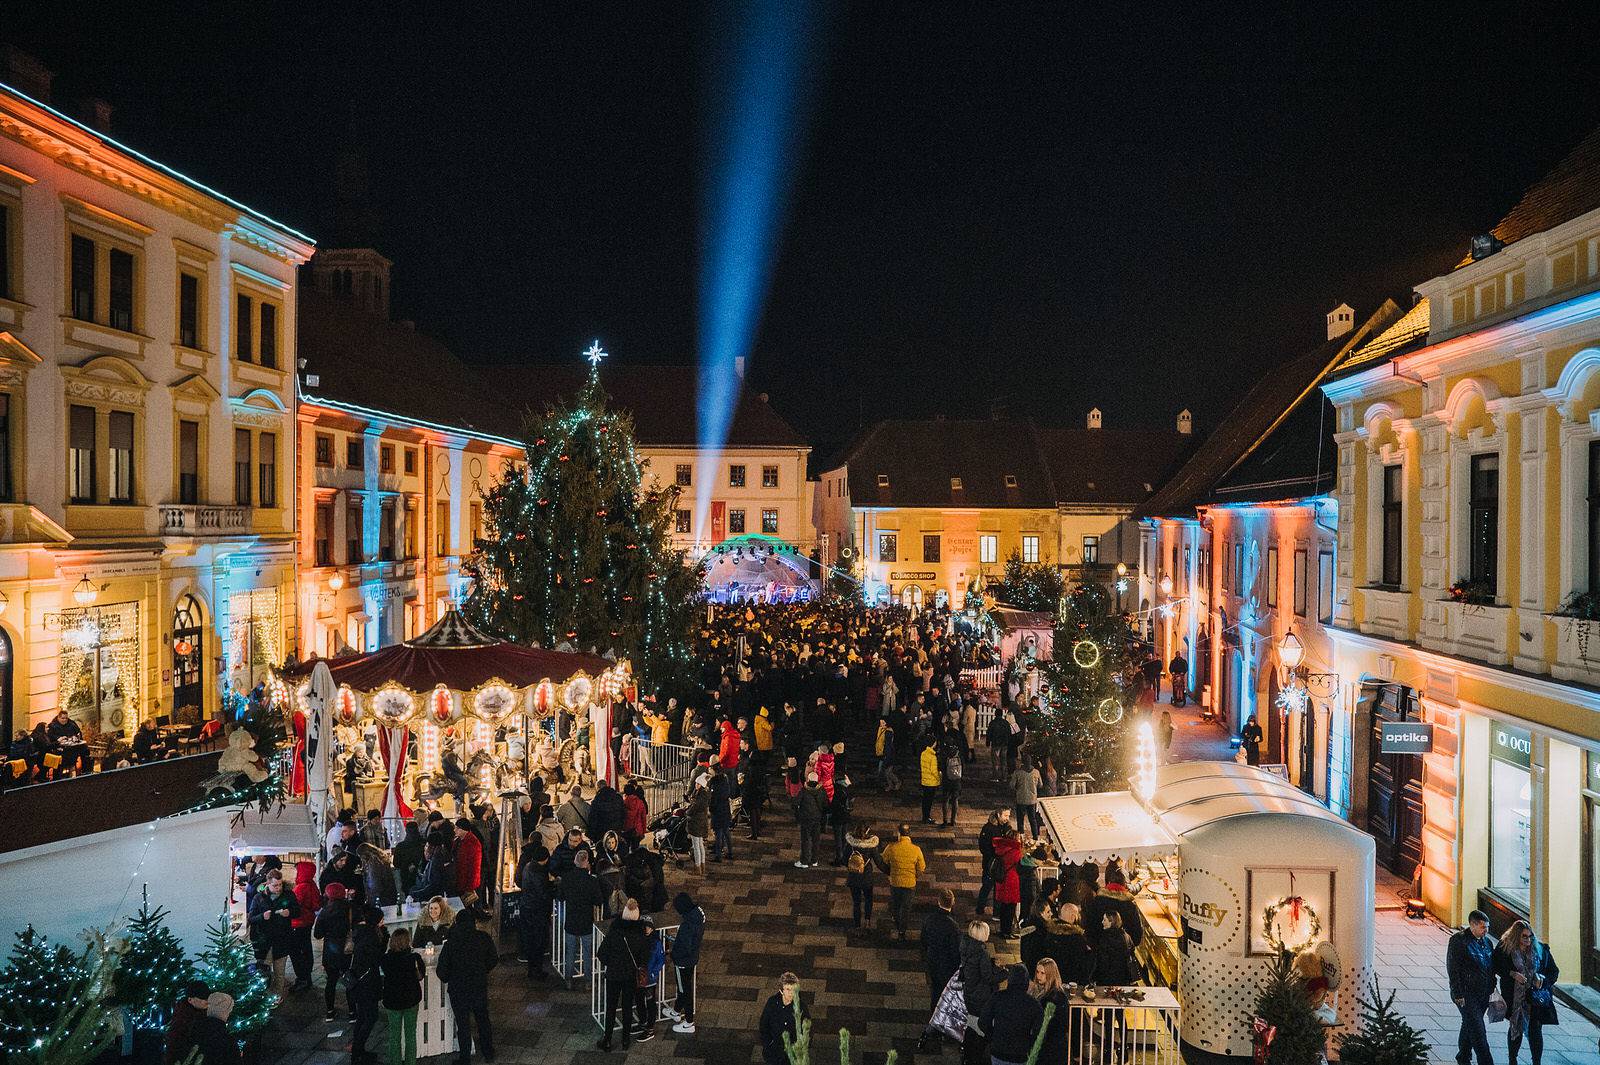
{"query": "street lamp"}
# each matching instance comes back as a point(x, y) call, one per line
point(1165, 584)
point(1291, 653)
point(1122, 569)
point(336, 581)
point(83, 592)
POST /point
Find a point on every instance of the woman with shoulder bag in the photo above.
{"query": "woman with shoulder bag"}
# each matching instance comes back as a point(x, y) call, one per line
point(1526, 973)
point(333, 928)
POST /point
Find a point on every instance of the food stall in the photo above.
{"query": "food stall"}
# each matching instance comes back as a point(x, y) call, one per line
point(1230, 865)
point(454, 717)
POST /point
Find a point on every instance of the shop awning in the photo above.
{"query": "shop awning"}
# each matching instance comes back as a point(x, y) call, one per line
point(1105, 826)
point(286, 830)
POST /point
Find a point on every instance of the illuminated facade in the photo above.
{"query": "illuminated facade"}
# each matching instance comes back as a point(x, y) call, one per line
point(1469, 539)
point(393, 473)
point(920, 511)
point(147, 346)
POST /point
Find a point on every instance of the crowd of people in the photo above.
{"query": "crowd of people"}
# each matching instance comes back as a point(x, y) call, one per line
point(806, 707)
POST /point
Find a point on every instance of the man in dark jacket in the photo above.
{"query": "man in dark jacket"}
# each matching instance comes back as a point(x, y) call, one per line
point(813, 803)
point(464, 966)
point(272, 912)
point(685, 956)
point(1012, 1019)
point(625, 950)
point(839, 816)
point(580, 893)
point(366, 978)
point(941, 946)
point(1469, 963)
point(538, 892)
point(1113, 897)
point(754, 791)
point(721, 791)
point(777, 1020)
point(605, 811)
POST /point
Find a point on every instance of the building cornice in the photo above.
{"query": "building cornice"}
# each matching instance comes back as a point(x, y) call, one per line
point(77, 147)
point(308, 403)
point(1435, 360)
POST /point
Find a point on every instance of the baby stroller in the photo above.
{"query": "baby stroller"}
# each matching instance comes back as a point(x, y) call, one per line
point(671, 832)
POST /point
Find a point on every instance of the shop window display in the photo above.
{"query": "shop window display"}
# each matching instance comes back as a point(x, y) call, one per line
point(99, 668)
point(1510, 814)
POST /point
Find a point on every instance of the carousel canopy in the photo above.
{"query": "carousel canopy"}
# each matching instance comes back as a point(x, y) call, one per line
point(484, 677)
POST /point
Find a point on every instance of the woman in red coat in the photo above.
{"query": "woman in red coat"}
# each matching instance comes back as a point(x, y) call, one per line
point(635, 813)
point(1007, 886)
point(469, 861)
point(728, 752)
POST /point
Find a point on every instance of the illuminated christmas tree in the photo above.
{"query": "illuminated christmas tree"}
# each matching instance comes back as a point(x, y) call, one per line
point(1083, 729)
point(578, 544)
point(52, 1002)
point(228, 965)
point(151, 977)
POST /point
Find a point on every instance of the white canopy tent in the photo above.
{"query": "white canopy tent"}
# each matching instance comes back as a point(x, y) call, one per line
point(1261, 864)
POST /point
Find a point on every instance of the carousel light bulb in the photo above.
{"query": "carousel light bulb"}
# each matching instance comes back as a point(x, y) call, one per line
point(1145, 763)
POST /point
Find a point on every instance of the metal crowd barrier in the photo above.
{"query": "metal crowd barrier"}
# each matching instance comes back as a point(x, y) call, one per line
point(558, 944)
point(664, 770)
point(1107, 1032)
point(651, 991)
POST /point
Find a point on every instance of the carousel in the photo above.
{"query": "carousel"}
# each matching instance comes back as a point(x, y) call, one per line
point(450, 720)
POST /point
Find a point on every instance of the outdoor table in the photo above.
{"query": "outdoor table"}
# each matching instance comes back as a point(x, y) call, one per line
point(436, 1024)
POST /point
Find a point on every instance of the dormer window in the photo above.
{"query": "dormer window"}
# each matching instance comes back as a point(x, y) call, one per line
point(955, 484)
point(1011, 480)
point(883, 480)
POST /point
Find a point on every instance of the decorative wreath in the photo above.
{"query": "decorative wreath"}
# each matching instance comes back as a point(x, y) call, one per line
point(1086, 653)
point(1109, 711)
point(1298, 908)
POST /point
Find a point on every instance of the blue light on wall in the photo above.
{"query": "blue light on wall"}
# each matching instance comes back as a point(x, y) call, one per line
point(754, 130)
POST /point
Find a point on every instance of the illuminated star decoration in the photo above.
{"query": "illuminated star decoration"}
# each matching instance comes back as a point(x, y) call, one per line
point(595, 354)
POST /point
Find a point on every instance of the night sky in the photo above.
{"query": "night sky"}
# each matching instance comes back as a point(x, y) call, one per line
point(994, 204)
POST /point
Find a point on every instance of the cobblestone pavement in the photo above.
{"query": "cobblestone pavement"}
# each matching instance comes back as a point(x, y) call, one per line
point(764, 916)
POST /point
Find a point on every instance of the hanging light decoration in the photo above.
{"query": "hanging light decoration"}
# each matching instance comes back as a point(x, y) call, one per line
point(336, 581)
point(83, 593)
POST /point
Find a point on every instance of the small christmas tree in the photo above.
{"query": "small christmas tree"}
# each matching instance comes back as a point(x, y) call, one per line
point(1385, 1038)
point(151, 977)
point(52, 1003)
point(1299, 1037)
point(578, 547)
point(228, 965)
point(38, 982)
point(1082, 730)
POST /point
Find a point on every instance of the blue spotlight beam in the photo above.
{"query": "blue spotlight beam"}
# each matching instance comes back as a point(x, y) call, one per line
point(754, 132)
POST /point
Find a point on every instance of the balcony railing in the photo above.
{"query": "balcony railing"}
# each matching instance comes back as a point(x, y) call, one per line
point(202, 520)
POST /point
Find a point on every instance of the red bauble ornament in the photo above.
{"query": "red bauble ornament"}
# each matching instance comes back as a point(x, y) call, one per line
point(572, 634)
point(544, 502)
point(517, 597)
point(601, 512)
point(522, 536)
point(588, 580)
point(627, 599)
point(564, 458)
point(539, 442)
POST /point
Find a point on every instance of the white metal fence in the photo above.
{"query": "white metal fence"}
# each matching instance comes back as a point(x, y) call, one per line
point(652, 992)
point(663, 769)
point(559, 959)
point(983, 679)
point(1110, 1032)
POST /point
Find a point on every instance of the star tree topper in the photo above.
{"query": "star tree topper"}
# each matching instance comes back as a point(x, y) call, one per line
point(595, 354)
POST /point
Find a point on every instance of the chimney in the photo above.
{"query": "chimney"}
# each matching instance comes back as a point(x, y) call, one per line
point(95, 113)
point(25, 73)
point(1094, 418)
point(1185, 422)
point(738, 367)
point(1341, 320)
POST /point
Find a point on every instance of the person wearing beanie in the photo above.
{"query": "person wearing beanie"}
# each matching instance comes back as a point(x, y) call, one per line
point(332, 926)
point(538, 894)
point(1012, 1019)
point(216, 1044)
point(685, 956)
point(180, 1029)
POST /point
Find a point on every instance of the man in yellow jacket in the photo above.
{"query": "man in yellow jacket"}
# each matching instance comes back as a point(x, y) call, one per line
point(906, 863)
point(763, 730)
point(928, 762)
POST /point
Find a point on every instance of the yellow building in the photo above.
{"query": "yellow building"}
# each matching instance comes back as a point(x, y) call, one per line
point(1469, 535)
point(918, 511)
point(147, 346)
